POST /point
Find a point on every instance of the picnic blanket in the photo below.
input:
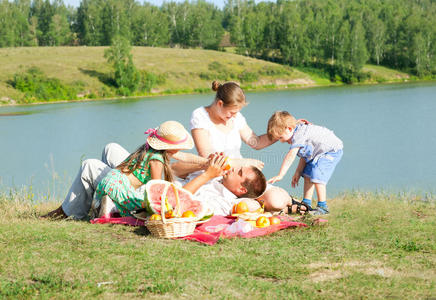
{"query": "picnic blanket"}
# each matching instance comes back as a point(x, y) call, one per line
point(208, 233)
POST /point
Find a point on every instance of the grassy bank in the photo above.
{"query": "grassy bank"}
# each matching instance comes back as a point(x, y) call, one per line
point(180, 71)
point(375, 247)
point(183, 70)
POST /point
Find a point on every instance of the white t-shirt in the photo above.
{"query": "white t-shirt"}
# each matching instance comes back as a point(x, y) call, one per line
point(229, 143)
point(217, 197)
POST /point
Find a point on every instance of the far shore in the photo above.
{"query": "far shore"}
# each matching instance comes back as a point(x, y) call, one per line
point(186, 71)
point(257, 89)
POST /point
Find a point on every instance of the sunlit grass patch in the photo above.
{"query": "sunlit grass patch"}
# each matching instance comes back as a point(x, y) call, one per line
point(383, 74)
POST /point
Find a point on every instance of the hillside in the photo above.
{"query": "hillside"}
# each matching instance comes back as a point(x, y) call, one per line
point(181, 70)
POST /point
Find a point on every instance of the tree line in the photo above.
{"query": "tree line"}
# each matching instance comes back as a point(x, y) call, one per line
point(339, 36)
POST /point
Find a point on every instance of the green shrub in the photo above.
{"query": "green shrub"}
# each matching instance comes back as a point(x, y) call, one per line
point(216, 67)
point(274, 71)
point(149, 80)
point(248, 76)
point(37, 86)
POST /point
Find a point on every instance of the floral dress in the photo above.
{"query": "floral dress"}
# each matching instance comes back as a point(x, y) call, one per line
point(117, 185)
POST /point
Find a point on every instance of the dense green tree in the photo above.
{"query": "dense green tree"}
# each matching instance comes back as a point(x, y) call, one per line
point(59, 32)
point(7, 34)
point(126, 76)
point(194, 24)
point(89, 25)
point(358, 55)
point(253, 30)
point(339, 35)
point(53, 28)
point(150, 26)
point(116, 19)
point(292, 36)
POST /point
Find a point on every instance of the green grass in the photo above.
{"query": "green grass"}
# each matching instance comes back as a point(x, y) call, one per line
point(383, 74)
point(376, 246)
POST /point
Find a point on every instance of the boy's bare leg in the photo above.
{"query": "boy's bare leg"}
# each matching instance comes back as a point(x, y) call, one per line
point(308, 188)
point(321, 191)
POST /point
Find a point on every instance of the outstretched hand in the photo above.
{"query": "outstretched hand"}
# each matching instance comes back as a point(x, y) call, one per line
point(275, 179)
point(216, 165)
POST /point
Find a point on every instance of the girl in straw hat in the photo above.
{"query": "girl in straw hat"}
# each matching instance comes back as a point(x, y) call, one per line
point(149, 161)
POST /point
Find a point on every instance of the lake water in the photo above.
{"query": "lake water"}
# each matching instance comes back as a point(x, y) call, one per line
point(389, 135)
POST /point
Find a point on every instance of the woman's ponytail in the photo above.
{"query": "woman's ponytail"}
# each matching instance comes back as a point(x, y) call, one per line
point(215, 85)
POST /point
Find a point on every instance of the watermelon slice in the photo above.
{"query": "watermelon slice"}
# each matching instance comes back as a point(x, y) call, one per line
point(156, 188)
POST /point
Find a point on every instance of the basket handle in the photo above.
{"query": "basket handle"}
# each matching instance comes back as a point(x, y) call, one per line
point(176, 193)
point(162, 205)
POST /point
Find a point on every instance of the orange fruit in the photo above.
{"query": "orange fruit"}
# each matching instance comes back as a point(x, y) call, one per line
point(170, 214)
point(274, 220)
point(155, 217)
point(240, 208)
point(188, 214)
point(262, 222)
point(228, 166)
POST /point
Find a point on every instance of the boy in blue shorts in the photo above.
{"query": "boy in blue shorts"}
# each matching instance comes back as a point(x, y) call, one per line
point(319, 150)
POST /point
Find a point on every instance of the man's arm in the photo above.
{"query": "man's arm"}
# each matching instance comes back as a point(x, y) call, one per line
point(182, 169)
point(187, 163)
point(214, 169)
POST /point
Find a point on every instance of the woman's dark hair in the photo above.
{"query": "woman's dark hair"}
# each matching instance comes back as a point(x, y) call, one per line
point(134, 160)
point(230, 93)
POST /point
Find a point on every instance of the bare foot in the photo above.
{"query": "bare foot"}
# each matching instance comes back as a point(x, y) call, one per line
point(58, 213)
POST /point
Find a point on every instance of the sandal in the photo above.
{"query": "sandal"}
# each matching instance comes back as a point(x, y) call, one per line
point(296, 208)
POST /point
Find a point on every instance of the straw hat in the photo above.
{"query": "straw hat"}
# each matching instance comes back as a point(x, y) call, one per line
point(169, 135)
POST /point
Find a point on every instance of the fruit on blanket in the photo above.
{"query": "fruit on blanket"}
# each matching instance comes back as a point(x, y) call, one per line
point(155, 188)
point(262, 222)
point(155, 217)
point(274, 220)
point(188, 214)
point(253, 205)
point(240, 208)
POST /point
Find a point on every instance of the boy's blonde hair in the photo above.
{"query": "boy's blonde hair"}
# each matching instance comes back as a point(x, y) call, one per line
point(278, 122)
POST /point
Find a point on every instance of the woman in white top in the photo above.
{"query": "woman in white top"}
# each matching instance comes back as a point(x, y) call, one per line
point(220, 127)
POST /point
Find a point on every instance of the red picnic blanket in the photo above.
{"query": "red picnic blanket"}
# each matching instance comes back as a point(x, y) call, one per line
point(209, 232)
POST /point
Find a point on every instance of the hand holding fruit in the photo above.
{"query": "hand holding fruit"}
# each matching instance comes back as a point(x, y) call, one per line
point(216, 165)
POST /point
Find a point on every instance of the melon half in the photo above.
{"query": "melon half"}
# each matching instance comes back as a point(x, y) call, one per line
point(156, 187)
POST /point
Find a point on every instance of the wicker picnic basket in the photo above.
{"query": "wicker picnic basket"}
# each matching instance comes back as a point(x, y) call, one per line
point(174, 227)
